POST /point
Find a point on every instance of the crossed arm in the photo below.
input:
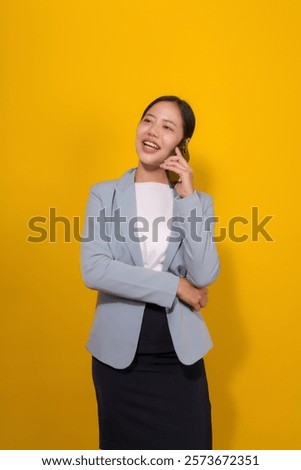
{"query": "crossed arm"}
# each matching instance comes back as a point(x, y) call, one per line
point(102, 272)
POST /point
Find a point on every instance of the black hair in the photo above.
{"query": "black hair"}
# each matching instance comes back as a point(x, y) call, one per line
point(185, 109)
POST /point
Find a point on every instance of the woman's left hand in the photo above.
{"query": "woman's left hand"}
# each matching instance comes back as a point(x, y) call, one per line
point(179, 165)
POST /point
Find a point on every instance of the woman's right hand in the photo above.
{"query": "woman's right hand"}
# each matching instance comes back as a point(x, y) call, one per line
point(196, 297)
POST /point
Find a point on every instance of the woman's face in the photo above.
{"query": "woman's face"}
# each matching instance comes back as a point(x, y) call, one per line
point(158, 133)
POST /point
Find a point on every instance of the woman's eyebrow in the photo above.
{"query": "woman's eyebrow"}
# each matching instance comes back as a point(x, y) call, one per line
point(165, 120)
point(171, 122)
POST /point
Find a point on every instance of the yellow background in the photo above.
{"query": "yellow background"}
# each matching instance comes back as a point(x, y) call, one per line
point(75, 77)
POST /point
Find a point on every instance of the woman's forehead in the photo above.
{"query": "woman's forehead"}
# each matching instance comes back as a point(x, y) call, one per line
point(166, 110)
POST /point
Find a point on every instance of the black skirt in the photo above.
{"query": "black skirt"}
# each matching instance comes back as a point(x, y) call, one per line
point(157, 402)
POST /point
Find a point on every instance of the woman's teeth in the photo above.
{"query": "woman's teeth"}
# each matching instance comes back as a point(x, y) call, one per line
point(151, 144)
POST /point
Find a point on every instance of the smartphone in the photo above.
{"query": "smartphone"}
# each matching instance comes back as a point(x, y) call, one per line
point(172, 176)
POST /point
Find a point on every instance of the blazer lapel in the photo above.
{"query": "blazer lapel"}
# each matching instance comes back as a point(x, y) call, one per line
point(126, 203)
point(175, 240)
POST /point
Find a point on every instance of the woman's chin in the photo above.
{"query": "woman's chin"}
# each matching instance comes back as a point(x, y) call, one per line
point(150, 160)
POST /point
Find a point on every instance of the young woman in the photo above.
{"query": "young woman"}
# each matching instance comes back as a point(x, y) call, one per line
point(147, 249)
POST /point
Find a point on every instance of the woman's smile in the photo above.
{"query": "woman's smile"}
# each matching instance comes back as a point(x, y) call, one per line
point(150, 146)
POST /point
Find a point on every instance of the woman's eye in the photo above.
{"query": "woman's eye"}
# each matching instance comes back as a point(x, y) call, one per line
point(146, 120)
point(167, 127)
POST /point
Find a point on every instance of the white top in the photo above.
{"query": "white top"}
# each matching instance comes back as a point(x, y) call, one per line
point(155, 205)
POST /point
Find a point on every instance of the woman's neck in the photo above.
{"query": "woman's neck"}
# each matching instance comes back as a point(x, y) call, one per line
point(144, 175)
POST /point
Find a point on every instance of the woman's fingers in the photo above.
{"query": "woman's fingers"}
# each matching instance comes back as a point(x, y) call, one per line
point(204, 296)
point(177, 159)
point(203, 299)
point(179, 165)
point(196, 297)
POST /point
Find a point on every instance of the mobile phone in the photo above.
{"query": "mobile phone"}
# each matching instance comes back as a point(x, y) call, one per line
point(172, 176)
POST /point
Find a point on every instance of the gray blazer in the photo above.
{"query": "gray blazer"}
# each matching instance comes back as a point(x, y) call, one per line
point(111, 263)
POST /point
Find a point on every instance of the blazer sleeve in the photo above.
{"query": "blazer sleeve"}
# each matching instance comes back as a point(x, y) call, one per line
point(200, 254)
point(100, 271)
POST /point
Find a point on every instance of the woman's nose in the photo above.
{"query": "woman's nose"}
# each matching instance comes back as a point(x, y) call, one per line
point(154, 130)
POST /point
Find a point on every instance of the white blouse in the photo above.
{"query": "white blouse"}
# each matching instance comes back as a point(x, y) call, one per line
point(155, 204)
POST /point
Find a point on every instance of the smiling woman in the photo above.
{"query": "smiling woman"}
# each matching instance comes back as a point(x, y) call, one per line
point(149, 338)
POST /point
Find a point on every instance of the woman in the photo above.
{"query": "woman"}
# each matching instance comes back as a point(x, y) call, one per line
point(148, 337)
